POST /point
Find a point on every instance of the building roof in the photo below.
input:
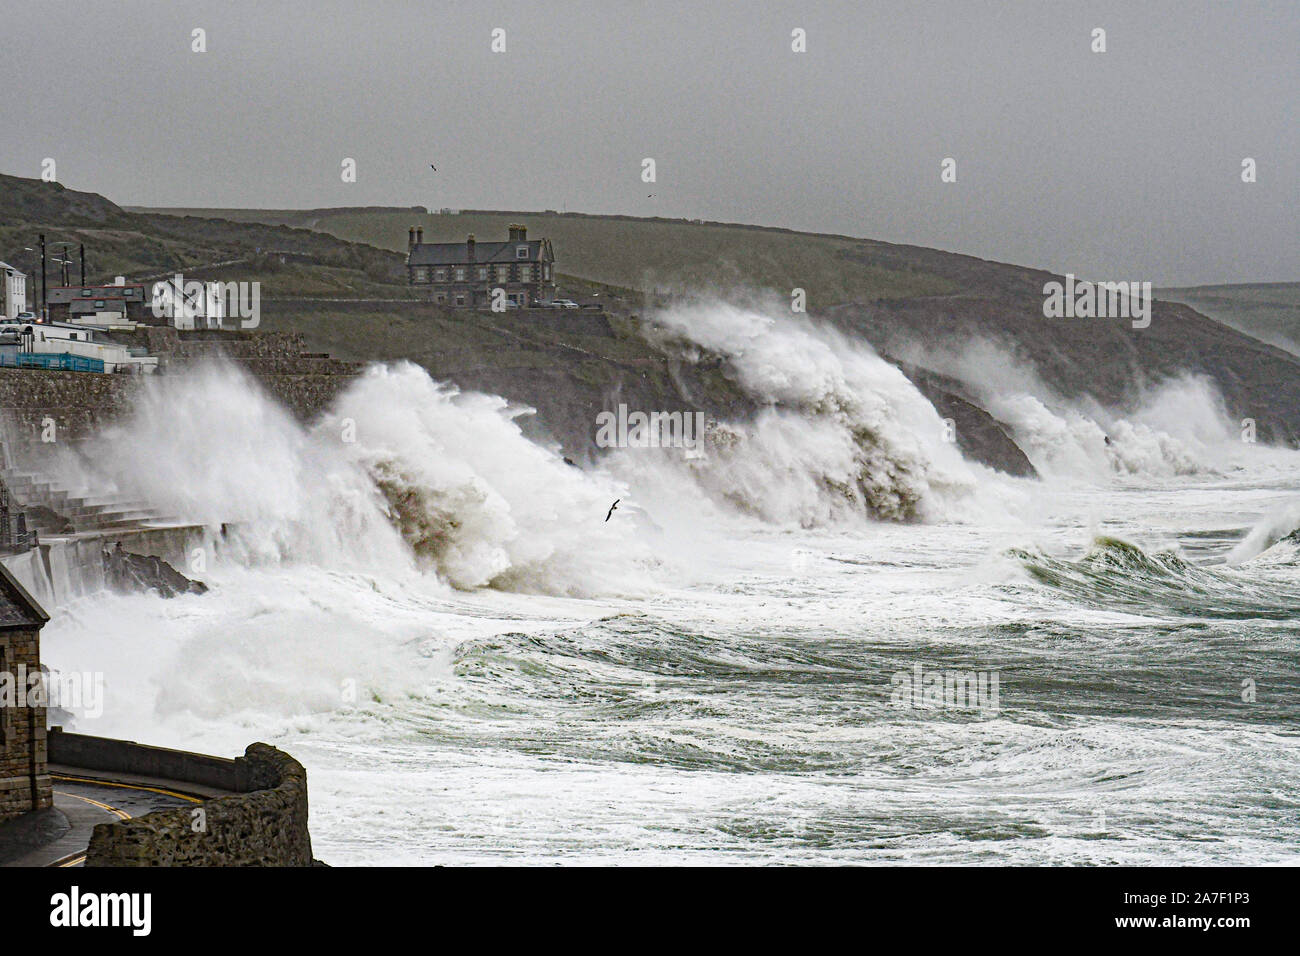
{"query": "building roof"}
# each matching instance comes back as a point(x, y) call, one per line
point(65, 294)
point(6, 267)
point(457, 253)
point(18, 609)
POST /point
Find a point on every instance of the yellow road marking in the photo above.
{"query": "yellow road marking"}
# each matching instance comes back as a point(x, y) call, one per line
point(120, 814)
point(76, 859)
point(126, 786)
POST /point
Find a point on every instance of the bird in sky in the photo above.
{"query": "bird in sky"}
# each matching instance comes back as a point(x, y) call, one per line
point(433, 167)
point(612, 507)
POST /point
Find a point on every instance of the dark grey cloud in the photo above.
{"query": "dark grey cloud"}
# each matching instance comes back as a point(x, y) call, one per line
point(1117, 165)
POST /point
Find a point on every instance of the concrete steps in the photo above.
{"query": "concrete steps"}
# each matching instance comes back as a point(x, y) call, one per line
point(85, 512)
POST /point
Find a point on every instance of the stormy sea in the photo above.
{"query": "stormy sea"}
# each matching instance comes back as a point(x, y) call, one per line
point(823, 637)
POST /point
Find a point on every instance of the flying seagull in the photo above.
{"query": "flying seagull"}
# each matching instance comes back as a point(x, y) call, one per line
point(433, 167)
point(612, 507)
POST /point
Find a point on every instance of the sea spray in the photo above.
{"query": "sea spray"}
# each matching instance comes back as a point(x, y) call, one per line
point(1175, 426)
point(401, 474)
point(476, 500)
point(210, 447)
point(841, 435)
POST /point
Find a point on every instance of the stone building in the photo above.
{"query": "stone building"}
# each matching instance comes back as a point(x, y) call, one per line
point(464, 274)
point(24, 775)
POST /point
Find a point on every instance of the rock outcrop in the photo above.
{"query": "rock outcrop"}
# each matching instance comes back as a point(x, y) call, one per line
point(128, 573)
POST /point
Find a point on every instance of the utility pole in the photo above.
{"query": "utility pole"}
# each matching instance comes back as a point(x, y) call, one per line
point(83, 263)
point(42, 316)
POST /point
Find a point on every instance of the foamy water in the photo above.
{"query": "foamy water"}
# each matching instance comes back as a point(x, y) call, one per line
point(432, 614)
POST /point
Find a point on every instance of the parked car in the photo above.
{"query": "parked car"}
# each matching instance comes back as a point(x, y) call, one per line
point(564, 304)
point(26, 317)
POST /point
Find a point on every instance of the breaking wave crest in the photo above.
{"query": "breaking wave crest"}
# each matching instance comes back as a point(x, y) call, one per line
point(1118, 575)
point(473, 498)
point(1181, 428)
point(840, 434)
point(403, 475)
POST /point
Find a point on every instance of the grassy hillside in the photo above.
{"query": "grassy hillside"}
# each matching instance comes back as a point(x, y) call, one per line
point(340, 296)
point(1268, 311)
point(907, 301)
point(118, 242)
point(565, 368)
point(920, 303)
point(649, 254)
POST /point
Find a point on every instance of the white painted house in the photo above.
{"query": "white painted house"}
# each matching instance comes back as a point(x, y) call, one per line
point(189, 305)
point(13, 294)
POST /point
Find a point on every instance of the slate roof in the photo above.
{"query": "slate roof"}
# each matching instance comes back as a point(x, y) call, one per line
point(18, 609)
point(457, 253)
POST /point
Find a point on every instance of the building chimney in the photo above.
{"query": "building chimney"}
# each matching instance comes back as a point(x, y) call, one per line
point(469, 246)
point(410, 240)
point(517, 232)
point(419, 235)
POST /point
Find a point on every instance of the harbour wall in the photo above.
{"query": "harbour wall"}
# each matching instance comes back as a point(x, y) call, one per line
point(263, 822)
point(60, 570)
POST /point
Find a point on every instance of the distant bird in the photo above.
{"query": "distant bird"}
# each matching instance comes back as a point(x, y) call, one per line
point(612, 507)
point(433, 167)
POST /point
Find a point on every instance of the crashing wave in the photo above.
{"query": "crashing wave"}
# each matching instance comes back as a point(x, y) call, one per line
point(840, 433)
point(402, 475)
point(1068, 443)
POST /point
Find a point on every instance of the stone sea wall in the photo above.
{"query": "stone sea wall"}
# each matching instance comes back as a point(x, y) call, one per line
point(265, 826)
point(79, 403)
point(63, 569)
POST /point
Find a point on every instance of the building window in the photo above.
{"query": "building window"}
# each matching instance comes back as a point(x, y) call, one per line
point(503, 273)
point(483, 272)
point(521, 252)
point(439, 275)
point(439, 298)
point(460, 274)
point(460, 300)
point(87, 292)
point(421, 275)
point(525, 273)
point(99, 304)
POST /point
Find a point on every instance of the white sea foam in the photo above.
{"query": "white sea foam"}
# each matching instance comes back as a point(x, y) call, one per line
point(742, 717)
point(402, 474)
point(840, 434)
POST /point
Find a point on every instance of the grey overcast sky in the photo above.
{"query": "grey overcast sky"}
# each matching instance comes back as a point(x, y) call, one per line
point(1117, 165)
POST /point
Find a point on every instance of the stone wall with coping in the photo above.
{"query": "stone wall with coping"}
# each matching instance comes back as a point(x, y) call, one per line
point(265, 826)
